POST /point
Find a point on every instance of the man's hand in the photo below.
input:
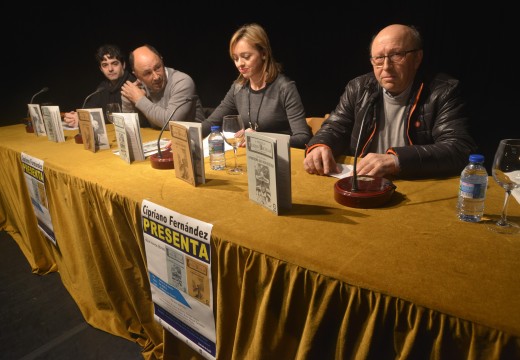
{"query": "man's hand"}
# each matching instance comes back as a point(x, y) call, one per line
point(71, 119)
point(320, 161)
point(377, 165)
point(133, 91)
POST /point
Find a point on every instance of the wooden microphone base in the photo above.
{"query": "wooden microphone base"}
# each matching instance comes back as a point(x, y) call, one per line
point(371, 192)
point(164, 162)
point(78, 139)
point(28, 125)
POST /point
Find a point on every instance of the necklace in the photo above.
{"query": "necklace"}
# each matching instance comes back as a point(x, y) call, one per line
point(254, 125)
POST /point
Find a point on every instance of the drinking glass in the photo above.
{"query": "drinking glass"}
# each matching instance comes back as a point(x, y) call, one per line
point(233, 131)
point(112, 108)
point(506, 172)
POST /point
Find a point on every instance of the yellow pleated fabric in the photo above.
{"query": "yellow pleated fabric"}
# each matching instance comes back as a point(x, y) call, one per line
point(319, 281)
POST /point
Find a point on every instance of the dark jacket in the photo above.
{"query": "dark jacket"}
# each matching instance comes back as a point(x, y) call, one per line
point(108, 93)
point(437, 126)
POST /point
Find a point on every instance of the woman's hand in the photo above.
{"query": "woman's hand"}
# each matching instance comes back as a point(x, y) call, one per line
point(242, 134)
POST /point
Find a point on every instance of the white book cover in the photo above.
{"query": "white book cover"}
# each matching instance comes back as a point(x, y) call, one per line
point(37, 119)
point(150, 147)
point(132, 131)
point(197, 148)
point(121, 138)
point(52, 119)
point(269, 170)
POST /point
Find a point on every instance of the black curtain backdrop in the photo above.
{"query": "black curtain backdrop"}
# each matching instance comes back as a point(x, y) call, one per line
point(321, 47)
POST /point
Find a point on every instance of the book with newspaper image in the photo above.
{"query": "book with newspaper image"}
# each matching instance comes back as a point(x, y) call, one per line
point(93, 129)
point(128, 136)
point(269, 170)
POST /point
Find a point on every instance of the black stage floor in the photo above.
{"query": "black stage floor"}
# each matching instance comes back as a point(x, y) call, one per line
point(40, 320)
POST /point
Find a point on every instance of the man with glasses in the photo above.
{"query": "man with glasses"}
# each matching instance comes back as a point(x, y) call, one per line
point(159, 90)
point(401, 122)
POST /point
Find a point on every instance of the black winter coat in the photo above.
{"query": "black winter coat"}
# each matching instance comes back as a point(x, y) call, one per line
point(437, 125)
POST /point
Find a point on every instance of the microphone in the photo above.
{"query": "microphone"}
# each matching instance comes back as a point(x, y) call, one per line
point(187, 100)
point(79, 138)
point(166, 162)
point(372, 191)
point(99, 89)
point(370, 103)
point(45, 89)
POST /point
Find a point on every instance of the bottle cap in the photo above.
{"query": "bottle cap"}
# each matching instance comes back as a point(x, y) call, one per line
point(476, 158)
point(215, 127)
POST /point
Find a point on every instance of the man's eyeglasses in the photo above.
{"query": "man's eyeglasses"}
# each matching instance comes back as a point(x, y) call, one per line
point(394, 58)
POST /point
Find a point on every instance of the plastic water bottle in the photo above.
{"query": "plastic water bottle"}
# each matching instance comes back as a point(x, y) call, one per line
point(217, 158)
point(472, 190)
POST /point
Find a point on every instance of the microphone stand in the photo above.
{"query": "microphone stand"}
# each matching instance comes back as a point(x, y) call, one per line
point(373, 191)
point(28, 124)
point(164, 160)
point(78, 139)
point(354, 170)
point(45, 89)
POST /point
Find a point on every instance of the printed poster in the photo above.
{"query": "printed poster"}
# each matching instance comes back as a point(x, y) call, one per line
point(178, 254)
point(35, 179)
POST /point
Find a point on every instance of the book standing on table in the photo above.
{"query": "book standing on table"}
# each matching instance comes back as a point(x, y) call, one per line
point(93, 129)
point(269, 170)
point(37, 119)
point(194, 145)
point(128, 136)
point(52, 120)
point(184, 169)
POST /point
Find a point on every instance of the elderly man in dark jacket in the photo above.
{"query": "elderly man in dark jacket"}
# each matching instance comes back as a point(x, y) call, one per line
point(402, 124)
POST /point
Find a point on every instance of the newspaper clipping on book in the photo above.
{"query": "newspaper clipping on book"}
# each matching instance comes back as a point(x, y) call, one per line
point(35, 113)
point(181, 148)
point(269, 170)
point(52, 119)
point(35, 180)
point(178, 254)
point(196, 147)
point(93, 129)
point(128, 136)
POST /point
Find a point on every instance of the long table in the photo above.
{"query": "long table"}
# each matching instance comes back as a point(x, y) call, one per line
point(408, 280)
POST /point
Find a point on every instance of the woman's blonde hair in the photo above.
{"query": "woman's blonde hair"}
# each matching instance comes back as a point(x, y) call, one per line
point(256, 36)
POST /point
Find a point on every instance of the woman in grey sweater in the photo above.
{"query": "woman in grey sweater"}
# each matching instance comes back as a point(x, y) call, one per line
point(266, 99)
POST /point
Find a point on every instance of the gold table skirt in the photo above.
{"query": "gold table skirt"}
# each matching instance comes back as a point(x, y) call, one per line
point(408, 280)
